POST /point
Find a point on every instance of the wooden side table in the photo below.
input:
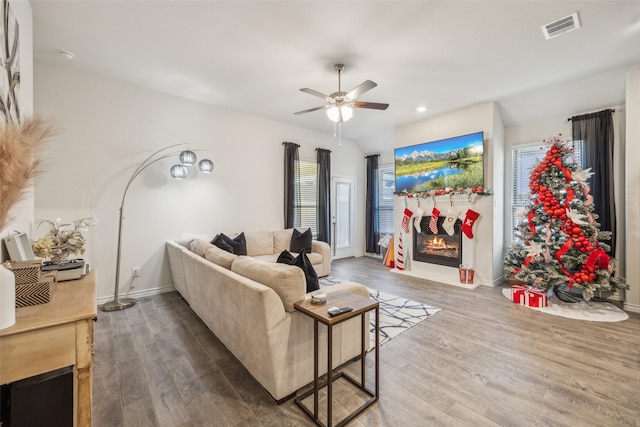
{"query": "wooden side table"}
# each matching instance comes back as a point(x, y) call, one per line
point(319, 314)
point(51, 336)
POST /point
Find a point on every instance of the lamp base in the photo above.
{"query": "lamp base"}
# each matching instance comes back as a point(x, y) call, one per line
point(120, 304)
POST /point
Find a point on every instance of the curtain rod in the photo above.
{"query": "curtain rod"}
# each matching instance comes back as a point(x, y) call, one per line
point(371, 155)
point(292, 143)
point(318, 149)
point(613, 110)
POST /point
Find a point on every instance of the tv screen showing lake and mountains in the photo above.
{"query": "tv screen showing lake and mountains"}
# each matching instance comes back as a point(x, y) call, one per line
point(448, 163)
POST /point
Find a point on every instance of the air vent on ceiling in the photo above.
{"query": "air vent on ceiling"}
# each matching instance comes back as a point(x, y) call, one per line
point(561, 26)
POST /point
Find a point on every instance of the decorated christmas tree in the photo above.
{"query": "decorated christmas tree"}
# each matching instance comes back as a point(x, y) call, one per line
point(558, 241)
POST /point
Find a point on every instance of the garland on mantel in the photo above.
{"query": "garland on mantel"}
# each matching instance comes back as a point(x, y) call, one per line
point(479, 191)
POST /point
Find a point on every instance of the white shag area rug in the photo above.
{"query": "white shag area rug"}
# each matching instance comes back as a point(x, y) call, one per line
point(591, 311)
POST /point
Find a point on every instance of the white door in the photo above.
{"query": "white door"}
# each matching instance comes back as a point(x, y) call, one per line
point(343, 217)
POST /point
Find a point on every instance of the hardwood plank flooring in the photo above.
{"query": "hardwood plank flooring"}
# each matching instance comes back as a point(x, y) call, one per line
point(481, 361)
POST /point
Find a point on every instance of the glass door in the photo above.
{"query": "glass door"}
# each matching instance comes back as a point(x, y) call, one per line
point(343, 217)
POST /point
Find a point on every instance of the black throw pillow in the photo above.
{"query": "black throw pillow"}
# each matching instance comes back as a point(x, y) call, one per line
point(219, 242)
point(238, 244)
point(301, 242)
point(285, 257)
point(305, 265)
point(310, 274)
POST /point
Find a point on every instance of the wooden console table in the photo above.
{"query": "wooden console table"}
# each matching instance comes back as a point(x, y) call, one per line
point(51, 336)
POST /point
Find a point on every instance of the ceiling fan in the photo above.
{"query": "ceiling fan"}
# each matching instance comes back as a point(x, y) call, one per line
point(340, 104)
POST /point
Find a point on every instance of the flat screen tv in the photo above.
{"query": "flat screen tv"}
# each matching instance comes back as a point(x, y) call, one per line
point(455, 163)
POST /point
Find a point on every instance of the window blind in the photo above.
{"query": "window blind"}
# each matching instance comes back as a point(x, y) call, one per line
point(308, 185)
point(386, 186)
point(524, 160)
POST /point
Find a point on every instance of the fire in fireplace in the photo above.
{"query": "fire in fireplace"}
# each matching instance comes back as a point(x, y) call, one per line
point(438, 248)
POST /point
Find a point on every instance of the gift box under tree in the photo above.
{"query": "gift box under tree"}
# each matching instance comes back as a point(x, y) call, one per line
point(529, 296)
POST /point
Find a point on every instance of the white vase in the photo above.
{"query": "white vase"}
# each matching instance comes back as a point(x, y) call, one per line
point(7, 298)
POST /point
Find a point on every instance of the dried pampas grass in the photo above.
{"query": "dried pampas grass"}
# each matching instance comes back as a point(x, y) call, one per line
point(19, 162)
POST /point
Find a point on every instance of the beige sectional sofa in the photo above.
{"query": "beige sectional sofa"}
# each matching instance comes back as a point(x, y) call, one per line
point(247, 303)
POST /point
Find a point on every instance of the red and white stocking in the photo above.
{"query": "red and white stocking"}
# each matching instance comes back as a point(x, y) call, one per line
point(433, 222)
point(469, 219)
point(405, 219)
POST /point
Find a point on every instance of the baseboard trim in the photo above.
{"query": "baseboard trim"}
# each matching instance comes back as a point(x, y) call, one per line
point(139, 294)
point(448, 280)
point(445, 280)
point(634, 308)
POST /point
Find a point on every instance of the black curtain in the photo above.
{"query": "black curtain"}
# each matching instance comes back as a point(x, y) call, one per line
point(596, 130)
point(324, 195)
point(371, 214)
point(291, 192)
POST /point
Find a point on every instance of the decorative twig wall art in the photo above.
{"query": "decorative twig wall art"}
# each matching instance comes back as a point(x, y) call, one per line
point(21, 138)
point(10, 78)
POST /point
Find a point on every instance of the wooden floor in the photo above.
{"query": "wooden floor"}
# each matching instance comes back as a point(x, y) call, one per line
point(481, 361)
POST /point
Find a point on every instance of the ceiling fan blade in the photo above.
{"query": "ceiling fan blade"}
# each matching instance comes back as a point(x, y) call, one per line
point(374, 105)
point(316, 93)
point(359, 90)
point(313, 109)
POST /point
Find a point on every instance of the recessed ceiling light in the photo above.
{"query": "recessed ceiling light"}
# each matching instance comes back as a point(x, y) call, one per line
point(65, 54)
point(421, 109)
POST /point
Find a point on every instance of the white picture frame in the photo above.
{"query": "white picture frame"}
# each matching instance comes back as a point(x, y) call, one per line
point(19, 247)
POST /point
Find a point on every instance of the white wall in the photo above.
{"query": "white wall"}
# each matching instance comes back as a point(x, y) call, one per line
point(632, 186)
point(497, 159)
point(23, 212)
point(381, 143)
point(106, 128)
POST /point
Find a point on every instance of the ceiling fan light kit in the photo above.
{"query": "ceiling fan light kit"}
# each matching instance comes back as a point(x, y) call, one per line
point(340, 114)
point(340, 105)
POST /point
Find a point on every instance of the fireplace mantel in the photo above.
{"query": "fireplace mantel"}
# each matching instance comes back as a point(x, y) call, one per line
point(476, 252)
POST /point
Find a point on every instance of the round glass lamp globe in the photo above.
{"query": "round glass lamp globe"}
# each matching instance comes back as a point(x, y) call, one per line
point(188, 158)
point(205, 166)
point(179, 171)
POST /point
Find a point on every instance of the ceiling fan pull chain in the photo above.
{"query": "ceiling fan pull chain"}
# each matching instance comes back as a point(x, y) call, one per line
point(337, 132)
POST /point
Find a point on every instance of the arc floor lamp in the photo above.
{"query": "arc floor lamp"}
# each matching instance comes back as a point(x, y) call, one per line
point(178, 171)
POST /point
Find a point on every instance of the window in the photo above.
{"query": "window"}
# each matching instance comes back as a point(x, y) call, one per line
point(308, 187)
point(524, 159)
point(386, 199)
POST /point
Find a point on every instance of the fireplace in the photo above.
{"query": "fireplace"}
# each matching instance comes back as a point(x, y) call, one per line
point(438, 248)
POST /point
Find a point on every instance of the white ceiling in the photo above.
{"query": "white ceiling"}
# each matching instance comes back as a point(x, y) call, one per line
point(255, 56)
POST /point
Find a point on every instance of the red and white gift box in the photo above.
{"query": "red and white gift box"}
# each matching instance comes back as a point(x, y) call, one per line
point(529, 296)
